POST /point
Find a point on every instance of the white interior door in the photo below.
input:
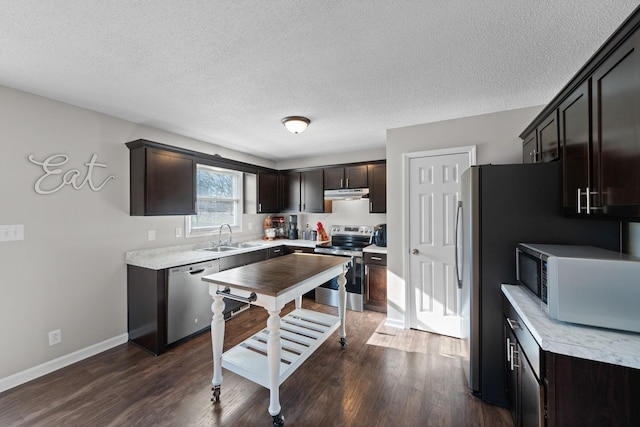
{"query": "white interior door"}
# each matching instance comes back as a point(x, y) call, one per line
point(434, 191)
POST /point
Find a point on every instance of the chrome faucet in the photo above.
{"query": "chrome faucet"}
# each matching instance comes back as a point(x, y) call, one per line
point(220, 235)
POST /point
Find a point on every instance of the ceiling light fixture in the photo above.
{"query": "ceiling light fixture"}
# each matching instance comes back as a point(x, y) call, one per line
point(296, 124)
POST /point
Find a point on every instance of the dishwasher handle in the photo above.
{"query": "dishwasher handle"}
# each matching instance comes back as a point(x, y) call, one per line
point(226, 292)
point(196, 271)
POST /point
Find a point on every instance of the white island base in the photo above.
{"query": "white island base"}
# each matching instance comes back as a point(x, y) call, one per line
point(271, 355)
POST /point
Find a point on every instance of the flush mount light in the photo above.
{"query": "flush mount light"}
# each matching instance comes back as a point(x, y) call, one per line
point(295, 124)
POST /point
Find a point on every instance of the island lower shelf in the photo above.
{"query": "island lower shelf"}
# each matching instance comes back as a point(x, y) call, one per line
point(301, 331)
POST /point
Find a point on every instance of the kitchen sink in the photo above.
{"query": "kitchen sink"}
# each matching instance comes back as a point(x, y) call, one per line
point(220, 249)
point(245, 245)
point(232, 247)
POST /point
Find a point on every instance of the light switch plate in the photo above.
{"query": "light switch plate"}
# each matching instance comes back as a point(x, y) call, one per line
point(151, 235)
point(10, 233)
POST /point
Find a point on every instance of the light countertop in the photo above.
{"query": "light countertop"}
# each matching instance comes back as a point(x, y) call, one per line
point(375, 249)
point(586, 342)
point(174, 256)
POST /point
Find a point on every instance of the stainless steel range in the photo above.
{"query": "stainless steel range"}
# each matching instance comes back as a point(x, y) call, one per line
point(348, 241)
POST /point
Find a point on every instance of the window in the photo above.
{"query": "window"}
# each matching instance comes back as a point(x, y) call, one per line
point(219, 193)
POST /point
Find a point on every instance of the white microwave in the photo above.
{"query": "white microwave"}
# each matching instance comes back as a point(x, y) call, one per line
point(582, 284)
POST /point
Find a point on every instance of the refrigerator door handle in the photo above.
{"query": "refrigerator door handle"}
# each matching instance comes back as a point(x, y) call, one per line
point(458, 269)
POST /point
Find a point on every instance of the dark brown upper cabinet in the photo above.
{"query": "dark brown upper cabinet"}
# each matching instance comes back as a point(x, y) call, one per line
point(345, 177)
point(303, 191)
point(312, 192)
point(541, 145)
point(377, 188)
point(575, 122)
point(616, 132)
point(162, 180)
point(530, 148)
point(548, 138)
point(598, 122)
point(290, 190)
point(268, 192)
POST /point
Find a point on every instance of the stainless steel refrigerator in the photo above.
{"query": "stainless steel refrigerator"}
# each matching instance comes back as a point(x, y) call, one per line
point(501, 206)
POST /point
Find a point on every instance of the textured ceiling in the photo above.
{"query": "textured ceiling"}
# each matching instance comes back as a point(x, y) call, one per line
point(227, 72)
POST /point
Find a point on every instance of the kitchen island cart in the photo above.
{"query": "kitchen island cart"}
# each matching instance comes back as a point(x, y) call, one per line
point(271, 355)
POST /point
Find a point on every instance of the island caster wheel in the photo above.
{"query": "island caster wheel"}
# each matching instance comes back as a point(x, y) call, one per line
point(343, 342)
point(278, 420)
point(216, 393)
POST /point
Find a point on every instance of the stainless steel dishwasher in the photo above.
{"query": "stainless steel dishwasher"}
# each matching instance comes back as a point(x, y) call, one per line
point(189, 302)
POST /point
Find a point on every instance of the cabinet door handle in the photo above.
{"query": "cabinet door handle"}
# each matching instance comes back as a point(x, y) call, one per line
point(587, 193)
point(513, 324)
point(508, 349)
point(376, 258)
point(579, 201)
point(298, 251)
point(259, 207)
point(341, 180)
point(514, 353)
point(276, 251)
point(347, 182)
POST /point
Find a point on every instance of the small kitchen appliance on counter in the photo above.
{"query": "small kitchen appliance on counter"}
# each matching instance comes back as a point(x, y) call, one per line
point(293, 227)
point(379, 236)
point(349, 241)
point(582, 284)
point(278, 224)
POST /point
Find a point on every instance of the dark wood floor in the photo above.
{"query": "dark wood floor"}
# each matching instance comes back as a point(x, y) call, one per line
point(385, 377)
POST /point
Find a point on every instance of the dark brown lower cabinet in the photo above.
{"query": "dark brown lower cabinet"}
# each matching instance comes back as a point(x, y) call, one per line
point(147, 307)
point(298, 249)
point(568, 391)
point(375, 282)
point(523, 372)
point(587, 393)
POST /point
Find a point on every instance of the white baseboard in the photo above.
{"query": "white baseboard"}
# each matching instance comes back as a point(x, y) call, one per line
point(53, 365)
point(394, 323)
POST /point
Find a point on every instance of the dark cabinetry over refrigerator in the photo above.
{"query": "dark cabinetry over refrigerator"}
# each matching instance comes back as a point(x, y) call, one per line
point(501, 206)
point(596, 118)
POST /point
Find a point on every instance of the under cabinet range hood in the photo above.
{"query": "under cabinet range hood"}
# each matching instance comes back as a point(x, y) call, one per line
point(346, 194)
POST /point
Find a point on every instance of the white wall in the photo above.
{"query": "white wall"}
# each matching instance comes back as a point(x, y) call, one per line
point(497, 141)
point(69, 272)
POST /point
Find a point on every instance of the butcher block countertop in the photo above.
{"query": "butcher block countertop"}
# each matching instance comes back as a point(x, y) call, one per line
point(276, 275)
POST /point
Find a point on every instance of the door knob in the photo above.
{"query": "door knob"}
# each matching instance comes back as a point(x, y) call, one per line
point(414, 251)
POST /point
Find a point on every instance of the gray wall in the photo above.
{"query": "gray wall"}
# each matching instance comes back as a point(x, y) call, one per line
point(69, 272)
point(496, 138)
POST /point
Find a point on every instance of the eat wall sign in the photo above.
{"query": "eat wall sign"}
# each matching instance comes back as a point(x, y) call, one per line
point(55, 177)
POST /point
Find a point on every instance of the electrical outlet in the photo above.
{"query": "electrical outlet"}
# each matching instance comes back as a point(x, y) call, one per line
point(250, 225)
point(151, 235)
point(55, 337)
point(10, 233)
point(178, 231)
